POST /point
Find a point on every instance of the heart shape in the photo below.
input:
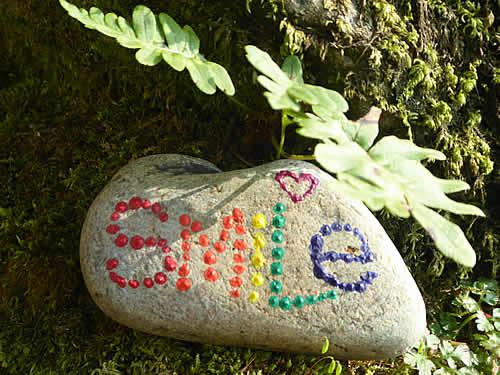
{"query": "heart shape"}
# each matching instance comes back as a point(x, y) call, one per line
point(313, 184)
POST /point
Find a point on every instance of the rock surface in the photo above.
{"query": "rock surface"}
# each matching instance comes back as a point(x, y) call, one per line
point(269, 257)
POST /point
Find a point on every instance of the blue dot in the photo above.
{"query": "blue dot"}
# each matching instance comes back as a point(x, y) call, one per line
point(347, 227)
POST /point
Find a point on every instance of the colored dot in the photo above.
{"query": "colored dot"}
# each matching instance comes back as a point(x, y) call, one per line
point(286, 303)
point(240, 244)
point(321, 297)
point(259, 241)
point(224, 235)
point(166, 249)
point(310, 300)
point(238, 215)
point(111, 264)
point(184, 220)
point(240, 229)
point(134, 284)
point(186, 246)
point(148, 282)
point(160, 278)
point(278, 252)
point(150, 241)
point(112, 229)
point(156, 208)
point(235, 293)
point(276, 268)
point(135, 203)
point(196, 226)
point(258, 260)
point(137, 242)
point(239, 269)
point(185, 234)
point(228, 222)
point(235, 282)
point(347, 227)
point(183, 284)
point(299, 302)
point(276, 286)
point(259, 221)
point(186, 257)
point(211, 274)
point(146, 203)
point(279, 208)
point(115, 216)
point(162, 242)
point(257, 279)
point(163, 216)
point(277, 236)
point(253, 296)
point(170, 264)
point(203, 240)
point(274, 301)
point(239, 258)
point(332, 294)
point(113, 276)
point(279, 221)
point(121, 207)
point(184, 270)
point(219, 247)
point(122, 283)
point(326, 230)
point(209, 258)
point(121, 240)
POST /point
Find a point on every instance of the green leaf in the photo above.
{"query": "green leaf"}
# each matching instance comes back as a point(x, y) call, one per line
point(331, 367)
point(144, 23)
point(340, 158)
point(362, 133)
point(482, 322)
point(316, 128)
point(338, 370)
point(175, 60)
point(148, 56)
point(192, 40)
point(201, 76)
point(390, 149)
point(326, 345)
point(221, 78)
point(448, 237)
point(264, 64)
point(176, 37)
point(293, 68)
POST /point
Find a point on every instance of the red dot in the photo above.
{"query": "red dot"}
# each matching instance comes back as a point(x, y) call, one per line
point(146, 203)
point(163, 216)
point(134, 284)
point(240, 244)
point(113, 276)
point(150, 241)
point(240, 229)
point(239, 258)
point(186, 257)
point(224, 235)
point(121, 207)
point(148, 282)
point(183, 284)
point(228, 222)
point(184, 270)
point(235, 293)
point(209, 258)
point(219, 247)
point(162, 242)
point(203, 240)
point(156, 208)
point(122, 283)
point(170, 264)
point(211, 274)
point(135, 203)
point(196, 226)
point(166, 249)
point(186, 246)
point(137, 242)
point(111, 264)
point(185, 234)
point(184, 220)
point(112, 229)
point(239, 269)
point(160, 278)
point(121, 240)
point(235, 282)
point(238, 215)
point(115, 216)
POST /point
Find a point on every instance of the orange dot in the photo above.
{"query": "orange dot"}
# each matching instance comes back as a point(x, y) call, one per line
point(239, 269)
point(203, 240)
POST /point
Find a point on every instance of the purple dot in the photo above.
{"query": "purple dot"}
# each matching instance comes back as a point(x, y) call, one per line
point(347, 227)
point(326, 230)
point(348, 258)
point(360, 286)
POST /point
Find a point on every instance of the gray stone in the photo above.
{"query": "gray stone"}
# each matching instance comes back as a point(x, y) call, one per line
point(379, 322)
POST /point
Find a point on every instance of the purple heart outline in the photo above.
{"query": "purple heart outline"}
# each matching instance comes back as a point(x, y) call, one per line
point(313, 184)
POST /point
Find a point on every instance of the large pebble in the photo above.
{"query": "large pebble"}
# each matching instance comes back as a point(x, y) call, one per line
point(220, 276)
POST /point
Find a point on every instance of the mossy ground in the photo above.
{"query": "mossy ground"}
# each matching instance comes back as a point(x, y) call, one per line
point(74, 108)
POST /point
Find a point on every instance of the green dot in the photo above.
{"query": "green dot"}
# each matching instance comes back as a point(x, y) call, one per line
point(310, 300)
point(299, 302)
point(322, 297)
point(279, 208)
point(276, 286)
point(332, 294)
point(277, 268)
point(286, 303)
point(277, 236)
point(278, 252)
point(279, 221)
point(274, 301)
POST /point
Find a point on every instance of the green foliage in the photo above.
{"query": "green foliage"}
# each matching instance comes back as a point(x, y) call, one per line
point(157, 37)
point(446, 355)
point(386, 174)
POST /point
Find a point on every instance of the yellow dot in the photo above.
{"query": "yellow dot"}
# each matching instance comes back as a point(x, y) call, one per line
point(259, 221)
point(259, 241)
point(253, 297)
point(258, 260)
point(258, 279)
